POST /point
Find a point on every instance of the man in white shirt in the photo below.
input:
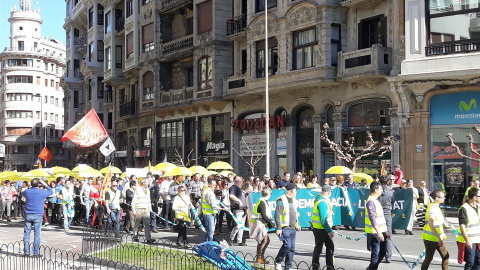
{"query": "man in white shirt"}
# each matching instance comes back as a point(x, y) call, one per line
point(141, 207)
point(85, 198)
point(167, 202)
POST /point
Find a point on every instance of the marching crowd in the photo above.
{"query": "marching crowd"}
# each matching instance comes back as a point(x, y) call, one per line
point(150, 202)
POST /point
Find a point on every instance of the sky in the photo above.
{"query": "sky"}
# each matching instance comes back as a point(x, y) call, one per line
point(53, 16)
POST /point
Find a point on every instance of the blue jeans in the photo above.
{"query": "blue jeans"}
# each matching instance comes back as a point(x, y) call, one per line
point(472, 258)
point(379, 249)
point(209, 223)
point(114, 217)
point(153, 220)
point(66, 220)
point(88, 206)
point(36, 221)
point(168, 205)
point(287, 250)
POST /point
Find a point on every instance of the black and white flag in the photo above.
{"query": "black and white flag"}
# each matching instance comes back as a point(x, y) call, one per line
point(107, 147)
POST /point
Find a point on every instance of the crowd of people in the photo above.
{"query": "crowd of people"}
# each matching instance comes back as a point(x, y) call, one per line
point(151, 202)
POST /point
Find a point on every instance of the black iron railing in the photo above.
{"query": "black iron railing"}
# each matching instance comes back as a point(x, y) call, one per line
point(453, 47)
point(236, 24)
point(120, 24)
point(177, 45)
point(128, 108)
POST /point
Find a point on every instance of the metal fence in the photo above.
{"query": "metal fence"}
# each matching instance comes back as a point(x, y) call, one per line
point(105, 249)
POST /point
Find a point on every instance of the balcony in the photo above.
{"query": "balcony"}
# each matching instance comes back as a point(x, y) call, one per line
point(177, 47)
point(167, 5)
point(236, 25)
point(120, 24)
point(176, 97)
point(233, 83)
point(371, 62)
point(29, 139)
point(128, 108)
point(461, 46)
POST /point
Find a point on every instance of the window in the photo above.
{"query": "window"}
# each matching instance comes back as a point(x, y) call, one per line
point(52, 100)
point(51, 116)
point(272, 57)
point(19, 114)
point(100, 14)
point(260, 4)
point(108, 22)
point(305, 49)
point(19, 97)
point(46, 82)
point(45, 100)
point(56, 102)
point(100, 87)
point(46, 67)
point(244, 61)
point(76, 68)
point(129, 8)
point(100, 50)
point(35, 45)
point(212, 128)
point(52, 84)
point(90, 18)
point(17, 149)
point(335, 39)
point(90, 51)
point(110, 120)
point(19, 79)
point(129, 44)
point(38, 115)
point(21, 46)
point(148, 34)
point(68, 68)
point(45, 116)
point(205, 72)
point(372, 31)
point(189, 77)
point(204, 11)
point(20, 63)
point(189, 26)
point(56, 85)
point(75, 99)
point(144, 2)
point(56, 118)
point(108, 53)
point(148, 93)
point(118, 56)
point(38, 80)
point(171, 135)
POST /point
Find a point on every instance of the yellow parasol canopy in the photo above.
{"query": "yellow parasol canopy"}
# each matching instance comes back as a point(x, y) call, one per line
point(198, 169)
point(9, 175)
point(90, 172)
point(61, 170)
point(164, 166)
point(357, 177)
point(35, 174)
point(153, 171)
point(212, 173)
point(220, 165)
point(179, 171)
point(338, 170)
point(114, 170)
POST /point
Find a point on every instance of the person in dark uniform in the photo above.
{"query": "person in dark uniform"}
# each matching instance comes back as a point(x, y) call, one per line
point(386, 200)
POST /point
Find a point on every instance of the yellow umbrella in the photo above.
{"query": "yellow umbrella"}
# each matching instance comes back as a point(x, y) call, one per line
point(90, 172)
point(123, 175)
point(226, 173)
point(198, 169)
point(76, 169)
point(357, 177)
point(220, 165)
point(179, 171)
point(338, 170)
point(114, 170)
point(12, 176)
point(164, 166)
point(36, 174)
point(212, 173)
point(61, 170)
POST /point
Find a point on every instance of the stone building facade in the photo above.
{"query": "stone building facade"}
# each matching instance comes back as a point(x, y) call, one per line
point(330, 62)
point(32, 99)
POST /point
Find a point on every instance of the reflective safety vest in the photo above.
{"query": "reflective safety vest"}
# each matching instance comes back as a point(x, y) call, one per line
point(437, 223)
point(285, 215)
point(316, 221)
point(473, 225)
point(180, 204)
point(114, 199)
point(206, 207)
point(379, 218)
point(256, 215)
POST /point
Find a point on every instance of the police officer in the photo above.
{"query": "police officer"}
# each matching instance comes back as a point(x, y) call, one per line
point(322, 222)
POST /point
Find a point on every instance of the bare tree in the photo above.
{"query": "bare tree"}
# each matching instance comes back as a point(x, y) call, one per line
point(347, 151)
point(471, 144)
point(253, 159)
point(190, 159)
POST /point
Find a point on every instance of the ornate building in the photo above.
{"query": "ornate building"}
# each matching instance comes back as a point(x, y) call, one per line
point(32, 99)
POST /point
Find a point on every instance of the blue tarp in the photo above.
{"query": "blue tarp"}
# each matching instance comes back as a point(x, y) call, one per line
point(221, 256)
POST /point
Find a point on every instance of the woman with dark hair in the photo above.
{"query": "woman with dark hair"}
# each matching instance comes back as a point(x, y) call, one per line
point(129, 218)
point(261, 219)
point(314, 182)
point(257, 185)
point(52, 199)
point(225, 199)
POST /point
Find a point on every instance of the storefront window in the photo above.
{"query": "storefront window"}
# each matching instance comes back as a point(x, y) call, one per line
point(171, 134)
point(305, 143)
point(213, 128)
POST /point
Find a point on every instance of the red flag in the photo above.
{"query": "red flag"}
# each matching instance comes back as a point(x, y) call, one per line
point(45, 154)
point(106, 183)
point(88, 131)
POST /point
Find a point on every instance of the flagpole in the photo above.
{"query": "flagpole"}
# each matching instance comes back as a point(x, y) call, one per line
point(267, 115)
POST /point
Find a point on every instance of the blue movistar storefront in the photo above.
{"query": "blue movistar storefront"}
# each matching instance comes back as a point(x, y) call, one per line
point(454, 113)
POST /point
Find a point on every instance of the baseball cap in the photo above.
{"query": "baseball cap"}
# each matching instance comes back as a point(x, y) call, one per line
point(291, 186)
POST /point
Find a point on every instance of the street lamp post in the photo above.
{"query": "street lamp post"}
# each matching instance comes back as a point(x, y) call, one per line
point(267, 114)
point(41, 123)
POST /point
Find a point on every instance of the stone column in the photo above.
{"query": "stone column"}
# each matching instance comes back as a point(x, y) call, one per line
point(291, 148)
point(338, 118)
point(136, 32)
point(273, 153)
point(394, 130)
point(317, 143)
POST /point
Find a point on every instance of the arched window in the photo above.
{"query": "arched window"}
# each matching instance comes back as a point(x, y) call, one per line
point(305, 119)
point(330, 110)
point(148, 93)
point(205, 69)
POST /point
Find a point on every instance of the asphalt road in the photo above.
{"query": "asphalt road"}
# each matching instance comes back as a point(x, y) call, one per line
point(348, 254)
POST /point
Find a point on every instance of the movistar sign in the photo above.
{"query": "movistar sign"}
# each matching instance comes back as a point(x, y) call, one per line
point(455, 108)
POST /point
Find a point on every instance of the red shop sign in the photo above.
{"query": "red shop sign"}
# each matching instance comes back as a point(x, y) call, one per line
point(249, 124)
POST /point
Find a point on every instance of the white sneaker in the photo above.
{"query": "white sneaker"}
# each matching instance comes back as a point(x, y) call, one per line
point(278, 266)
